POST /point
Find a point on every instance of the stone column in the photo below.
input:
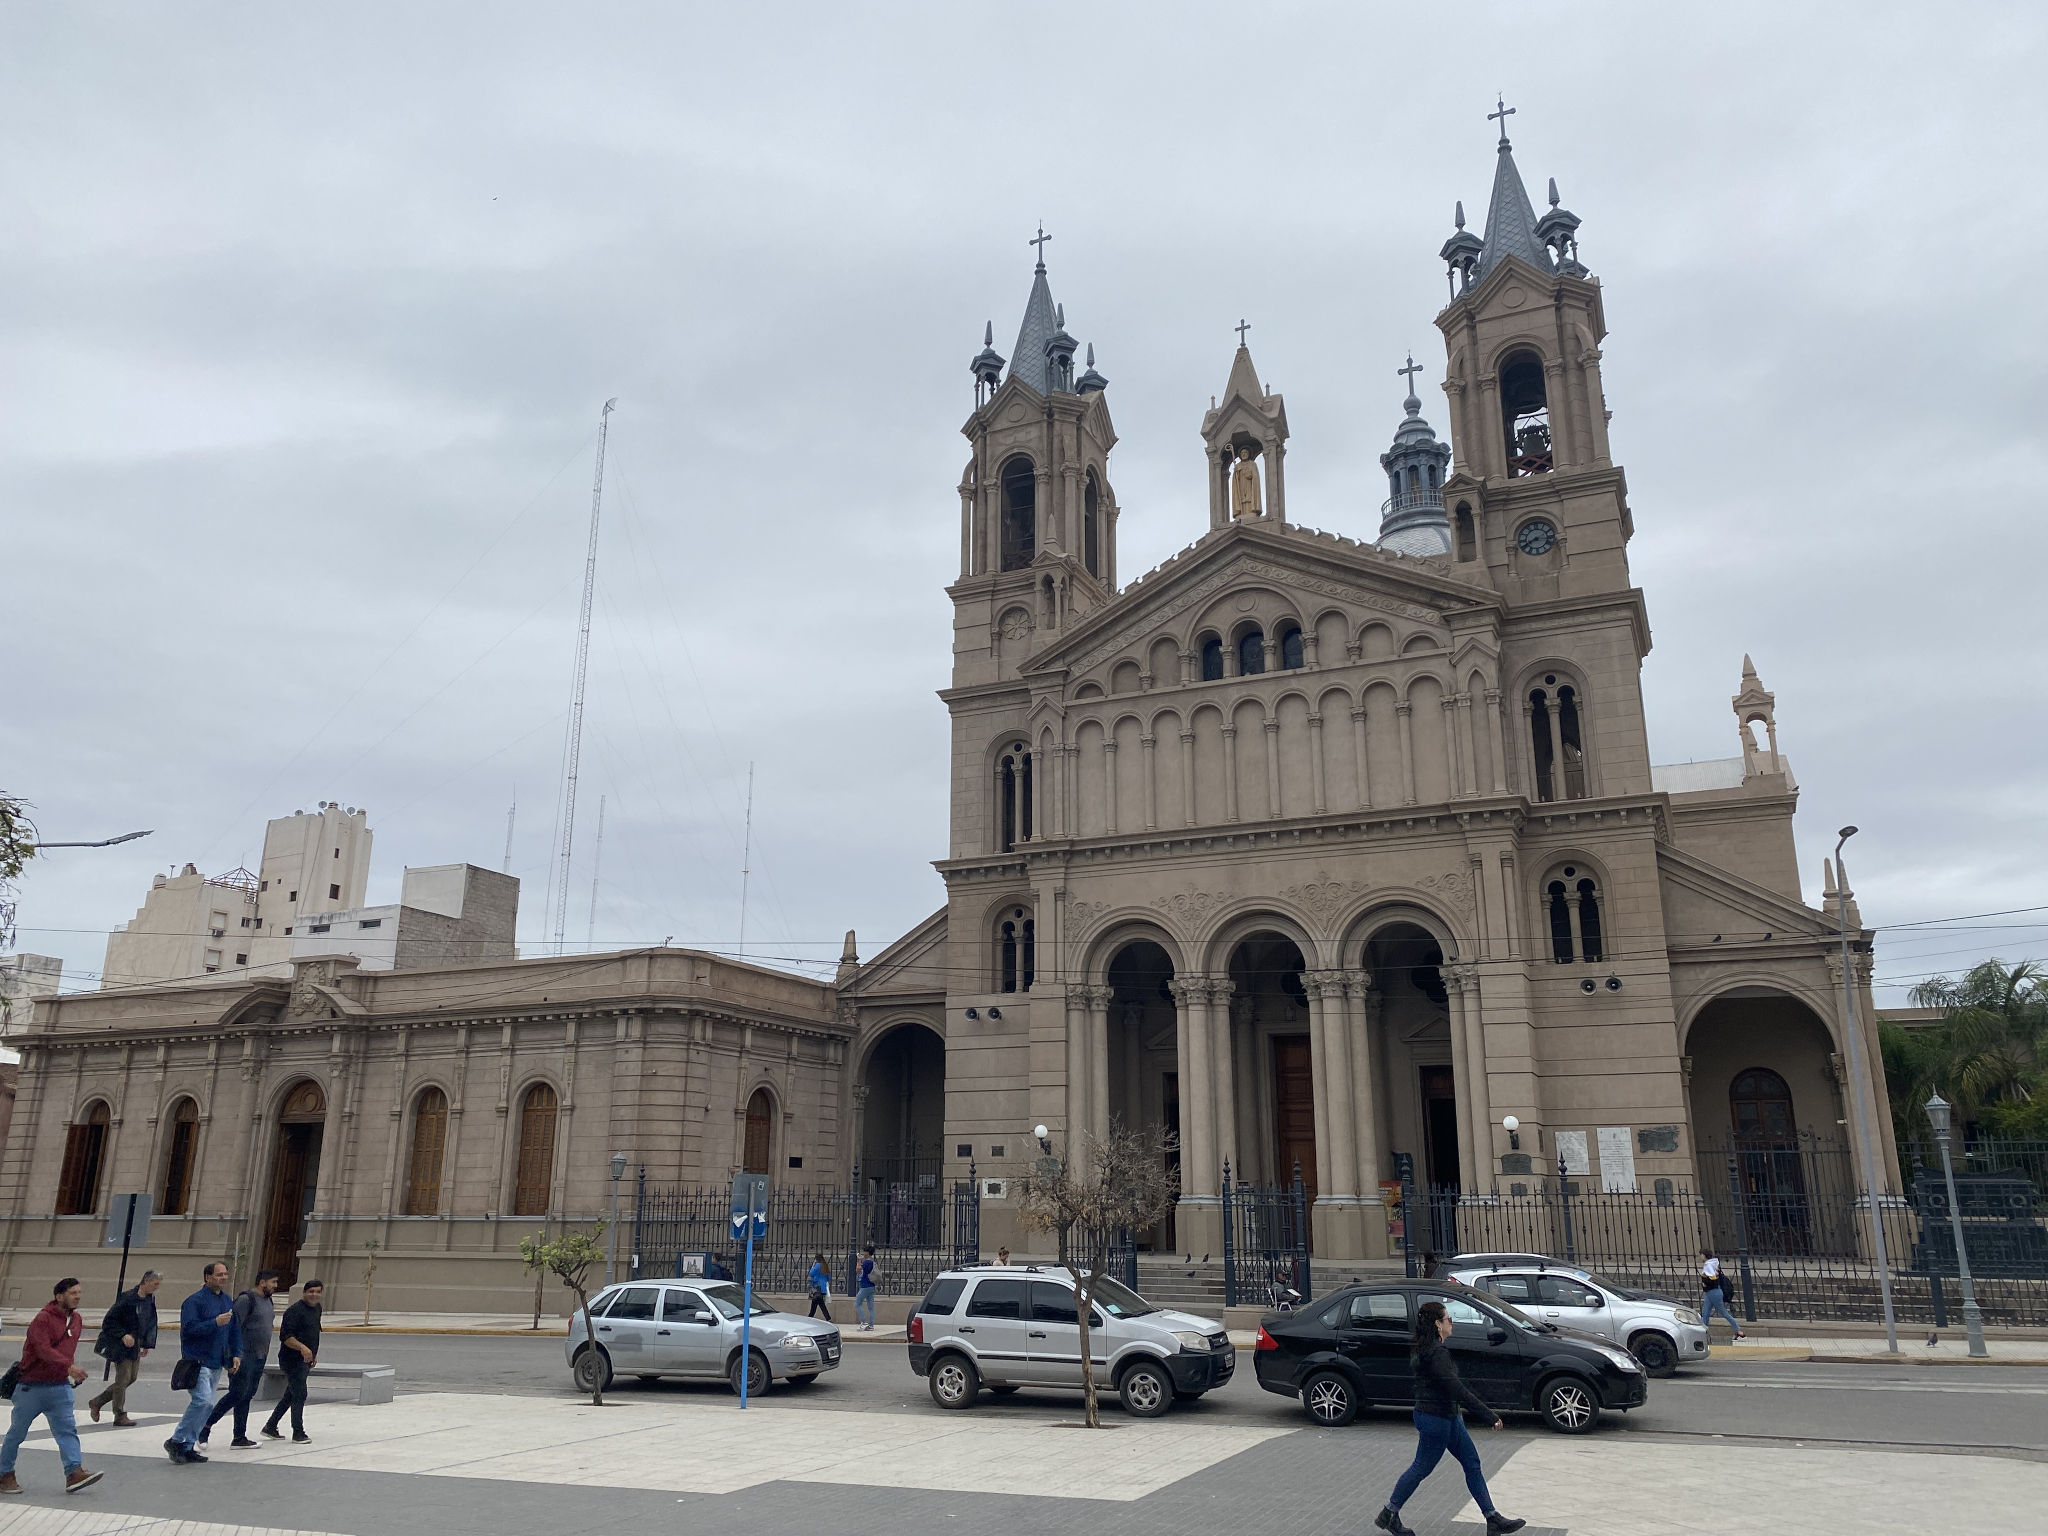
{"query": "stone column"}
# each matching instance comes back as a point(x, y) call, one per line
point(1471, 756)
point(1557, 778)
point(1223, 1074)
point(1273, 769)
point(1197, 1101)
point(1187, 776)
point(1321, 1076)
point(1364, 1078)
point(1077, 1067)
point(1315, 762)
point(1358, 753)
point(1149, 756)
point(1230, 773)
point(1404, 711)
point(1108, 785)
point(1341, 1226)
point(1098, 1000)
point(1463, 982)
point(1454, 780)
point(1495, 743)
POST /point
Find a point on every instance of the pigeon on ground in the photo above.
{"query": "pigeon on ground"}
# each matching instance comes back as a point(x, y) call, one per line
point(1933, 1339)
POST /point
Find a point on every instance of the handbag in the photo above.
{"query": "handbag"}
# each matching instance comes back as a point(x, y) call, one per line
point(10, 1379)
point(184, 1375)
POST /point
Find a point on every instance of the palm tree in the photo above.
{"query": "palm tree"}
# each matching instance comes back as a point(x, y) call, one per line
point(1990, 1055)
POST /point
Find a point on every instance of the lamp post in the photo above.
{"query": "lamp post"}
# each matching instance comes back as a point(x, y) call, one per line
point(1857, 1111)
point(1973, 1319)
point(611, 1253)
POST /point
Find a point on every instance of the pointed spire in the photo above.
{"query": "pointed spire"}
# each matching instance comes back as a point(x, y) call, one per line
point(1244, 378)
point(988, 335)
point(1510, 220)
point(1091, 354)
point(1827, 877)
point(1459, 217)
point(1090, 382)
point(1041, 323)
point(1748, 669)
point(1553, 191)
point(849, 962)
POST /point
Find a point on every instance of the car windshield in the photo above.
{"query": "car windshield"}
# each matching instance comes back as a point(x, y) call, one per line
point(1514, 1314)
point(731, 1300)
point(1119, 1300)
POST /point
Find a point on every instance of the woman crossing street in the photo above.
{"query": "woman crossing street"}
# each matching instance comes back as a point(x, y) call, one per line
point(1439, 1398)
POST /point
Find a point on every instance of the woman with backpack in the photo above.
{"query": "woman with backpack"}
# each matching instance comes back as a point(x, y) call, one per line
point(1714, 1291)
point(1439, 1398)
point(821, 1288)
point(864, 1291)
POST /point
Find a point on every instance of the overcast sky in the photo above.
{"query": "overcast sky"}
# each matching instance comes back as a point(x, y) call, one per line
point(305, 321)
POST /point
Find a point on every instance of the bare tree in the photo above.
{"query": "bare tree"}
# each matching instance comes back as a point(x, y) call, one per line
point(569, 1258)
point(1122, 1182)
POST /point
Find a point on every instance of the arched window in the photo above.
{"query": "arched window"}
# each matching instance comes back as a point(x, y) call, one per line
point(1589, 922)
point(1560, 923)
point(1020, 513)
point(1525, 414)
point(536, 1173)
point(181, 1148)
point(1030, 959)
point(1013, 797)
point(1212, 659)
point(85, 1148)
point(1251, 653)
point(1091, 525)
point(1542, 744)
point(1556, 742)
point(1568, 735)
point(429, 1137)
point(1760, 1108)
point(760, 1131)
point(1467, 539)
point(1006, 958)
point(1291, 649)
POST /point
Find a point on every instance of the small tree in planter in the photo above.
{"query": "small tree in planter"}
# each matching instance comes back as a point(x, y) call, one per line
point(369, 1274)
point(1125, 1182)
point(569, 1259)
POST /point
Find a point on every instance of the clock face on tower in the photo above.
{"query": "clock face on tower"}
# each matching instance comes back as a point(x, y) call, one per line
point(1536, 537)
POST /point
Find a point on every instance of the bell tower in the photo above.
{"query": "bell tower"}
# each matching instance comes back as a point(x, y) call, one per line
point(1246, 441)
point(1037, 515)
point(1535, 492)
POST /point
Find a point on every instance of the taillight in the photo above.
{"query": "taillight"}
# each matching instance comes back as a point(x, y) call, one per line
point(1265, 1341)
point(915, 1332)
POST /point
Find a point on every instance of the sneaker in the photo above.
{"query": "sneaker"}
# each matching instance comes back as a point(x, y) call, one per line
point(1389, 1520)
point(270, 1432)
point(1498, 1524)
point(9, 1483)
point(242, 1443)
point(192, 1453)
point(177, 1451)
point(300, 1437)
point(78, 1479)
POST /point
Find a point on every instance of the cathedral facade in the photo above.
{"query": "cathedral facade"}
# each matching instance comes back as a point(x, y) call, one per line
point(1317, 853)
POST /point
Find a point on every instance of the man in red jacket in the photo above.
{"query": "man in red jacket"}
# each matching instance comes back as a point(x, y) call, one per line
point(44, 1391)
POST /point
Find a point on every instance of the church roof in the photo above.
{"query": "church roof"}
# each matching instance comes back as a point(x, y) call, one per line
point(1027, 359)
point(1244, 378)
point(1510, 220)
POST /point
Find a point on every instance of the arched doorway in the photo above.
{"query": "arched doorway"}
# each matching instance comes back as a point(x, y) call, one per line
point(757, 1149)
point(1144, 1056)
point(1411, 1036)
point(294, 1178)
point(1272, 1123)
point(904, 1123)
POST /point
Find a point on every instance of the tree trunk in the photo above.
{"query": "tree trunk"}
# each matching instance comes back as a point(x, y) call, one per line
point(590, 1339)
point(1084, 1309)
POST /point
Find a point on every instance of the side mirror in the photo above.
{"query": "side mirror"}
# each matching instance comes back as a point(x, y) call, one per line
point(1496, 1335)
point(1597, 1301)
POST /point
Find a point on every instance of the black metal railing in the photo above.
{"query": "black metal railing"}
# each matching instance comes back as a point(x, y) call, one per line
point(1266, 1241)
point(918, 1228)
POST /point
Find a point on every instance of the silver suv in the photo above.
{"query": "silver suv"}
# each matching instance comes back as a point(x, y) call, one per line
point(691, 1328)
point(1018, 1326)
point(1661, 1333)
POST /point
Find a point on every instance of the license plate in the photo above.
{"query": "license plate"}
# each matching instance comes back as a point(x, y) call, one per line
point(831, 1351)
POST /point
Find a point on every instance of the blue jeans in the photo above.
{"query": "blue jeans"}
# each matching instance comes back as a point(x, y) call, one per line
point(864, 1305)
point(1440, 1435)
point(38, 1400)
point(1714, 1301)
point(242, 1387)
point(193, 1424)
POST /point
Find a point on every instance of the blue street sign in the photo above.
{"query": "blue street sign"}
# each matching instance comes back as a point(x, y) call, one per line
point(750, 1196)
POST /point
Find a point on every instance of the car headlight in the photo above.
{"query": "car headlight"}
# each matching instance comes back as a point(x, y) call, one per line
point(1194, 1343)
point(1622, 1359)
point(1687, 1316)
point(801, 1341)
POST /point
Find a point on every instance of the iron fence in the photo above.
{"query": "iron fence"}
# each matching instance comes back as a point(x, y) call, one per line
point(918, 1227)
point(1266, 1241)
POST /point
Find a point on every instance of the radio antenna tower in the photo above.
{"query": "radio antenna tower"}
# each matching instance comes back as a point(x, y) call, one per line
point(596, 859)
point(511, 816)
point(604, 422)
point(746, 859)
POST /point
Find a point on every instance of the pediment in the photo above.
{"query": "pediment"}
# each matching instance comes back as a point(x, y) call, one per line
point(914, 963)
point(1296, 561)
point(1701, 900)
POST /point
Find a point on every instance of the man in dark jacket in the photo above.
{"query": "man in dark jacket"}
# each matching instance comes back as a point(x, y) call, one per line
point(253, 1317)
point(209, 1339)
point(298, 1351)
point(127, 1336)
point(48, 1373)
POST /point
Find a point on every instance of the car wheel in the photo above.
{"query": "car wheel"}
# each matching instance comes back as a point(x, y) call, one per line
point(1007, 1389)
point(1146, 1389)
point(1568, 1405)
point(757, 1374)
point(953, 1381)
point(1330, 1399)
point(592, 1371)
point(1656, 1352)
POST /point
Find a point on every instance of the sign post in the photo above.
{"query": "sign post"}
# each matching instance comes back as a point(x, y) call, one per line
point(127, 1224)
point(749, 1213)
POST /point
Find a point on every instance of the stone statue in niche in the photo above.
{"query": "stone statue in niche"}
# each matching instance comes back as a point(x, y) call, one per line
point(1244, 484)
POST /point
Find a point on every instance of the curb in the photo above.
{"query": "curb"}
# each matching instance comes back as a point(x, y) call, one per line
point(1903, 1358)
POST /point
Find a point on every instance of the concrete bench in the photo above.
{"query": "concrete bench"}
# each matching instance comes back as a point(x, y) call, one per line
point(371, 1383)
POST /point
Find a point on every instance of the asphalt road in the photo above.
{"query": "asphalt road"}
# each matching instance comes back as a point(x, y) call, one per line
point(1932, 1407)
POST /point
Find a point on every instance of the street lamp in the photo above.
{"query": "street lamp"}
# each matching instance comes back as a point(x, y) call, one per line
point(1513, 1127)
point(1857, 1111)
point(611, 1257)
point(1973, 1319)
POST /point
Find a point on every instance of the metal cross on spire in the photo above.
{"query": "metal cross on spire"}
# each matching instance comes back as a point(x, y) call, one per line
point(1503, 115)
point(1039, 243)
point(1410, 371)
point(1242, 326)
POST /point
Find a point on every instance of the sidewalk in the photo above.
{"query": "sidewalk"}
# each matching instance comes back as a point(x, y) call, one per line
point(510, 1325)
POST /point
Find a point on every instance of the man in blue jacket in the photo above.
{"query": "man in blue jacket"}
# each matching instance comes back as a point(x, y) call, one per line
point(209, 1341)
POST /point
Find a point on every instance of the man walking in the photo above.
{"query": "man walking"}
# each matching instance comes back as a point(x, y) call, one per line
point(298, 1351)
point(127, 1335)
point(208, 1342)
point(253, 1316)
point(44, 1390)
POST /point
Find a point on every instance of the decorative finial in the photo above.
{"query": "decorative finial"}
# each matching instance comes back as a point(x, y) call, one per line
point(1059, 316)
point(988, 335)
point(1459, 216)
point(1553, 191)
point(1243, 325)
point(1413, 403)
point(1091, 354)
point(1040, 244)
point(1503, 115)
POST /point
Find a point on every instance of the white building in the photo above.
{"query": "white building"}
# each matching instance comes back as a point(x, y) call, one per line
point(445, 914)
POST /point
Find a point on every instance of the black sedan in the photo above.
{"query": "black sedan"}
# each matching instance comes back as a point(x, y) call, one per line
point(1350, 1350)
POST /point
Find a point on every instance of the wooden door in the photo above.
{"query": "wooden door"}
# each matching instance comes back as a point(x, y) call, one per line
point(1294, 1111)
point(292, 1191)
point(756, 1153)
